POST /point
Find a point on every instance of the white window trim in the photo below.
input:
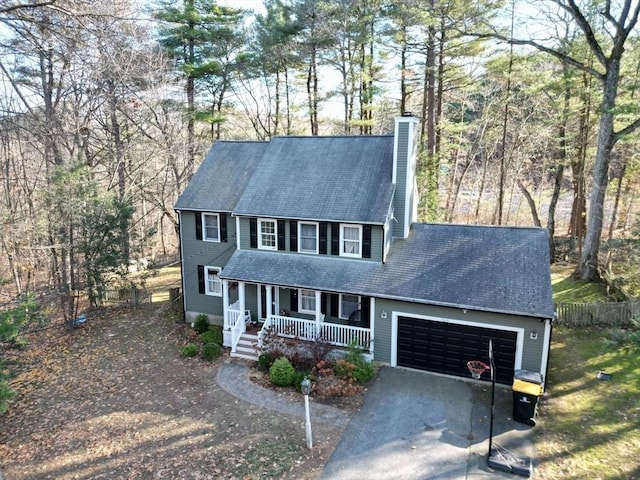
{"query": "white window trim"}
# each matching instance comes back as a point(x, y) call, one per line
point(304, 310)
point(342, 252)
point(341, 315)
point(316, 250)
point(275, 234)
point(204, 227)
point(216, 270)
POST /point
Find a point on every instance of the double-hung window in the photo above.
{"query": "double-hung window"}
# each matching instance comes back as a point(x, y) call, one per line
point(307, 301)
point(348, 305)
point(308, 237)
point(211, 227)
point(267, 234)
point(351, 240)
point(212, 282)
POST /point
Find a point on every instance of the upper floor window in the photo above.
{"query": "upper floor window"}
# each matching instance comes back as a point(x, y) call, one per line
point(213, 283)
point(307, 301)
point(308, 237)
point(351, 240)
point(267, 234)
point(211, 227)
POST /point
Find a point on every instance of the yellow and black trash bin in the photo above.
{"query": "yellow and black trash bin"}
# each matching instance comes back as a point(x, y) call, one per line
point(527, 389)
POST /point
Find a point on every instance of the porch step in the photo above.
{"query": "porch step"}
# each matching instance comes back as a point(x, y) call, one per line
point(246, 347)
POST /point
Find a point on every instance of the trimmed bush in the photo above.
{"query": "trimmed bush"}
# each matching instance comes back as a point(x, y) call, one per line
point(282, 372)
point(211, 351)
point(189, 350)
point(357, 367)
point(201, 324)
point(213, 335)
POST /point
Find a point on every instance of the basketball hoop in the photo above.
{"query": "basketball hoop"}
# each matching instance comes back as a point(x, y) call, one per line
point(477, 368)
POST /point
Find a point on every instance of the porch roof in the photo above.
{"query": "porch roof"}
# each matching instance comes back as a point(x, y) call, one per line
point(496, 269)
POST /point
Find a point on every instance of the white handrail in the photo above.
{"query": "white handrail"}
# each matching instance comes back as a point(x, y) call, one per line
point(238, 327)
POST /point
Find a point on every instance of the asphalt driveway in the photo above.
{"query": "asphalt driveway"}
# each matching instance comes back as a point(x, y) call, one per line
point(416, 426)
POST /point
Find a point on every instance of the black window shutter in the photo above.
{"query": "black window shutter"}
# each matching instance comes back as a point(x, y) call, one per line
point(293, 236)
point(323, 238)
point(223, 227)
point(201, 279)
point(335, 239)
point(365, 306)
point(253, 232)
point(334, 309)
point(281, 235)
point(366, 241)
point(294, 300)
point(198, 226)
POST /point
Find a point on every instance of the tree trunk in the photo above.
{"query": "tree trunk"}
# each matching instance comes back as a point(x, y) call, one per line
point(588, 266)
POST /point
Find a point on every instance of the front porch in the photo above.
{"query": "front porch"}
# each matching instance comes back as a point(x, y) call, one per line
point(246, 345)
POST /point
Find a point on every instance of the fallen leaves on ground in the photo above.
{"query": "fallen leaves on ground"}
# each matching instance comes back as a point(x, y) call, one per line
point(114, 399)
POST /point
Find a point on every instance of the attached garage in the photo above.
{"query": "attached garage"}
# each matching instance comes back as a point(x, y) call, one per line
point(446, 347)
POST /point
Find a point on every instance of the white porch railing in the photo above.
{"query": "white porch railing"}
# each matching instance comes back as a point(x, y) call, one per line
point(235, 321)
point(334, 333)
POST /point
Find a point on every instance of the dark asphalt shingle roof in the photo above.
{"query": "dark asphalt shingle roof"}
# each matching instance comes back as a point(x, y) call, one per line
point(342, 178)
point(496, 269)
point(222, 177)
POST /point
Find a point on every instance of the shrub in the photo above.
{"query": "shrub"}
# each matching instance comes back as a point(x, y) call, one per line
point(213, 335)
point(363, 370)
point(211, 351)
point(282, 372)
point(189, 350)
point(201, 324)
point(265, 360)
point(327, 384)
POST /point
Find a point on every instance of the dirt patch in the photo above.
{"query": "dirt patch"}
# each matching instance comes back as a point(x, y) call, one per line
point(114, 399)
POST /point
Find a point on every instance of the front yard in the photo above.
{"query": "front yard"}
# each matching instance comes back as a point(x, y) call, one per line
point(114, 399)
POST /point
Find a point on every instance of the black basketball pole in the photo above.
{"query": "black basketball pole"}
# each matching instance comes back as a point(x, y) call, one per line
point(493, 397)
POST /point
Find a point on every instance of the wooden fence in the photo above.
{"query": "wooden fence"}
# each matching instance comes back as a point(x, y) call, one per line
point(612, 314)
point(132, 297)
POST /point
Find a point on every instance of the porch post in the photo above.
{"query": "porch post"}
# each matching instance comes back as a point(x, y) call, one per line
point(318, 311)
point(241, 301)
point(225, 303)
point(269, 300)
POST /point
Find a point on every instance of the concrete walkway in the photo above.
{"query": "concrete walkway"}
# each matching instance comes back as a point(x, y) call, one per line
point(412, 426)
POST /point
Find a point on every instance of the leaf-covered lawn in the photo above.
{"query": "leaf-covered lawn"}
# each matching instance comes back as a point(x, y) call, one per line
point(589, 428)
point(114, 399)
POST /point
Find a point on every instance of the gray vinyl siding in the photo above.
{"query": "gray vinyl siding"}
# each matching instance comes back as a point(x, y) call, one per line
point(532, 350)
point(376, 239)
point(199, 252)
point(400, 195)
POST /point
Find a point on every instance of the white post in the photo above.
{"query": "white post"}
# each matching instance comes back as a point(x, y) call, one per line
point(225, 303)
point(269, 301)
point(318, 311)
point(305, 387)
point(241, 300)
point(307, 425)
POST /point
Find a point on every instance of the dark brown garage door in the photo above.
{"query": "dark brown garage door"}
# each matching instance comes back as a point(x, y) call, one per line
point(447, 347)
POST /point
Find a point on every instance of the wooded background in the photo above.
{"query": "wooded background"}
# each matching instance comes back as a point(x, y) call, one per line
point(529, 116)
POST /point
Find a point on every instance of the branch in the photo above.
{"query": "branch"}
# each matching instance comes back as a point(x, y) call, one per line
point(627, 130)
point(20, 6)
point(563, 57)
point(573, 9)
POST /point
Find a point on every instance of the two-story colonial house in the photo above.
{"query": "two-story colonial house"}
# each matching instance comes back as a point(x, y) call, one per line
point(318, 236)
